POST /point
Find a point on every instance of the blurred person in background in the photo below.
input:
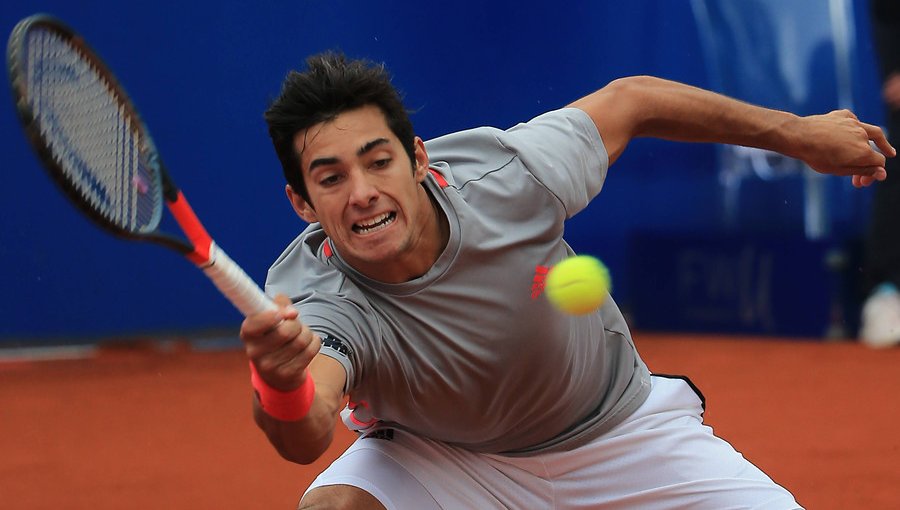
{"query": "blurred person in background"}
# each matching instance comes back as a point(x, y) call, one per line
point(880, 325)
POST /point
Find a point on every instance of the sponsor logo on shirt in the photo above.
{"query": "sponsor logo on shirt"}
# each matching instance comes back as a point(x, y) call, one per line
point(386, 434)
point(539, 280)
point(357, 416)
point(336, 345)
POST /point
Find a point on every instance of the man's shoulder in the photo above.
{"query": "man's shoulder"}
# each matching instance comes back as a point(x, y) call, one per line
point(308, 242)
point(467, 140)
point(488, 138)
point(471, 154)
point(303, 265)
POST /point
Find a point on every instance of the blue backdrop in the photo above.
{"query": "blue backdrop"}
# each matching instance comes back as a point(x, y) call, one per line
point(202, 73)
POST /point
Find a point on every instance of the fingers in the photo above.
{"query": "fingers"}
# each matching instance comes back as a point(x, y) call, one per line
point(860, 152)
point(283, 301)
point(279, 345)
point(861, 181)
point(870, 176)
point(263, 322)
point(285, 367)
point(879, 173)
point(877, 136)
point(875, 160)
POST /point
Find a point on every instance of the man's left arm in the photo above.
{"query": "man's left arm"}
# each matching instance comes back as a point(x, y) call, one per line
point(835, 143)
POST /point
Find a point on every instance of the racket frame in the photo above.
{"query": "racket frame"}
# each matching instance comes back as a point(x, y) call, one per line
point(199, 247)
point(16, 61)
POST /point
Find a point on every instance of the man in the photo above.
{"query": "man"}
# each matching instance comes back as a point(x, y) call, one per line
point(412, 293)
point(880, 325)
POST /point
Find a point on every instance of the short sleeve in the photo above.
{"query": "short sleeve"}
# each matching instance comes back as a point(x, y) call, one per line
point(564, 151)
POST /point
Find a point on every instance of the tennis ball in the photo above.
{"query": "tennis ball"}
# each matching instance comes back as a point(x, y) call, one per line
point(578, 285)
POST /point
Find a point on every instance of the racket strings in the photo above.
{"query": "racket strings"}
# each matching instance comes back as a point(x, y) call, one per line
point(91, 133)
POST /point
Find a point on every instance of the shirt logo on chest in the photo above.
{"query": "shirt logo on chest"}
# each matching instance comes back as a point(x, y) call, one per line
point(539, 280)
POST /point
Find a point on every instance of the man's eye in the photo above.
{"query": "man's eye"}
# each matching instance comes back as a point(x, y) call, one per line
point(329, 180)
point(381, 163)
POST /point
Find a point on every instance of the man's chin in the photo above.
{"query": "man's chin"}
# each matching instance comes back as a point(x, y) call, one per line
point(369, 255)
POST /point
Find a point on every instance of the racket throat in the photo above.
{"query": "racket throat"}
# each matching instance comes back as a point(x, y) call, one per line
point(199, 238)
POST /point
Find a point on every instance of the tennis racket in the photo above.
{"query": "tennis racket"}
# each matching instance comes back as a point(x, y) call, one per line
point(91, 139)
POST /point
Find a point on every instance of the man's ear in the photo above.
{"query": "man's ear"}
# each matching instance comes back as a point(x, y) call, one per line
point(422, 161)
point(303, 208)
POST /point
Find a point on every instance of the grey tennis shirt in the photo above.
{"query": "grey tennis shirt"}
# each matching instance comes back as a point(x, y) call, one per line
point(472, 353)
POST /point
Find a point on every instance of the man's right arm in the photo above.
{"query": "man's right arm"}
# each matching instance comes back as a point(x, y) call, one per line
point(284, 352)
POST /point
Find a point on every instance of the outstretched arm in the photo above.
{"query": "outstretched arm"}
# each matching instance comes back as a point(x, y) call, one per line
point(835, 143)
point(284, 353)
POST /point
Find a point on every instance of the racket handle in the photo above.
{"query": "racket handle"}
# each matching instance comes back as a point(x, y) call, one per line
point(234, 283)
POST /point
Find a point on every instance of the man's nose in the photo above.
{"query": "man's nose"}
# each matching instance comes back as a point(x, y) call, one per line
point(363, 191)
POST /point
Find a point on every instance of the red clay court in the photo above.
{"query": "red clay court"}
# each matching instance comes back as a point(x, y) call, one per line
point(147, 427)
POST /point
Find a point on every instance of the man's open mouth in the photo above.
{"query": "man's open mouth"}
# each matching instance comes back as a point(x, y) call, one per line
point(375, 224)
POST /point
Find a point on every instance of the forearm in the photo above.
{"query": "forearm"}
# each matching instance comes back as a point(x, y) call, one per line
point(305, 440)
point(297, 391)
point(642, 106)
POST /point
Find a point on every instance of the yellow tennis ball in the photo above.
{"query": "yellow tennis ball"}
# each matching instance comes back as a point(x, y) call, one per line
point(578, 285)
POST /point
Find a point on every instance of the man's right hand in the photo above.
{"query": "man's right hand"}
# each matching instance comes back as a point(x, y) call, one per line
point(280, 345)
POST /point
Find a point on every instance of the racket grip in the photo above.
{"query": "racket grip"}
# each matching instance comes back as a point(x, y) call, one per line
point(234, 283)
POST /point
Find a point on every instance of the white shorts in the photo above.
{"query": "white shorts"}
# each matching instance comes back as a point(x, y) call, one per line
point(661, 457)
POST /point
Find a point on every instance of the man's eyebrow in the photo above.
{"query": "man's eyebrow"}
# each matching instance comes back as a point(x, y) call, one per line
point(371, 145)
point(321, 162)
point(362, 150)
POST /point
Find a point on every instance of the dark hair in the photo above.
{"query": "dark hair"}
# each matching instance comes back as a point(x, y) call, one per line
point(331, 85)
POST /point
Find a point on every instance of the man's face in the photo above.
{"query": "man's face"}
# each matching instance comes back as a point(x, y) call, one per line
point(366, 192)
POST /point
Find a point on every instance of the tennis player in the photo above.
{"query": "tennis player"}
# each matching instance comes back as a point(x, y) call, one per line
point(416, 294)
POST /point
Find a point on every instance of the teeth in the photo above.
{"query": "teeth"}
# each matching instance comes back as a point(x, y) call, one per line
point(377, 223)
